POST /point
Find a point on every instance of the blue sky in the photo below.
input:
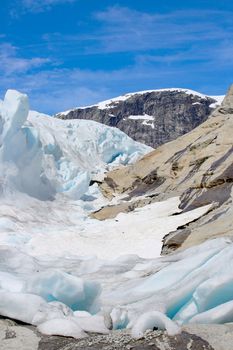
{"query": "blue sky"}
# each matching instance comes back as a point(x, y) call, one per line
point(66, 53)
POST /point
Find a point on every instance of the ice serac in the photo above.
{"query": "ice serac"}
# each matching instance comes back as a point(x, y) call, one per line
point(197, 166)
point(21, 152)
point(152, 117)
point(41, 156)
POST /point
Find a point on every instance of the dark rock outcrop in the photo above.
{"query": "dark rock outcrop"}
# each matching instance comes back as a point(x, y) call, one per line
point(165, 115)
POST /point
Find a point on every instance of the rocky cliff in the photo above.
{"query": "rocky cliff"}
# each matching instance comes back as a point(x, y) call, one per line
point(151, 117)
point(197, 166)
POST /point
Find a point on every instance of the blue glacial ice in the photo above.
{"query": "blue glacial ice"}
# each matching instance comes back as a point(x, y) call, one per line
point(42, 156)
point(137, 301)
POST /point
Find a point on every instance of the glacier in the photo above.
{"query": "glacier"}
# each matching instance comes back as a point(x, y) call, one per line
point(42, 156)
point(69, 274)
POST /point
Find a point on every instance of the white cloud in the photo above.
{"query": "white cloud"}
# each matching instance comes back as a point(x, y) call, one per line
point(12, 63)
point(179, 49)
point(57, 89)
point(52, 88)
point(125, 30)
point(41, 5)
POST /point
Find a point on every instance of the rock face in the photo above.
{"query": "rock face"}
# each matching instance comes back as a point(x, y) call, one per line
point(198, 167)
point(150, 117)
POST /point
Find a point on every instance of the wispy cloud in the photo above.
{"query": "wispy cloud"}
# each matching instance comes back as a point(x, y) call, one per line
point(12, 63)
point(38, 5)
point(55, 89)
point(126, 30)
point(48, 85)
point(123, 30)
point(177, 49)
point(219, 56)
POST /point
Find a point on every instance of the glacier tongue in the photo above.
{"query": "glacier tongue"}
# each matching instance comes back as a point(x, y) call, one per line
point(69, 274)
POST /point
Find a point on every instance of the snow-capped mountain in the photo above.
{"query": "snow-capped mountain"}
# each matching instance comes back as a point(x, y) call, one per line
point(152, 117)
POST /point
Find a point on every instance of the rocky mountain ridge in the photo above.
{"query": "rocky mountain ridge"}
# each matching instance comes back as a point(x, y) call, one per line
point(152, 117)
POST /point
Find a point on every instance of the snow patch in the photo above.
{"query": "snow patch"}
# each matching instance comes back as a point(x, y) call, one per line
point(218, 102)
point(141, 117)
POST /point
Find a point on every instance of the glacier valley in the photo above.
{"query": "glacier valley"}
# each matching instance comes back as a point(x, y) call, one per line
point(70, 274)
